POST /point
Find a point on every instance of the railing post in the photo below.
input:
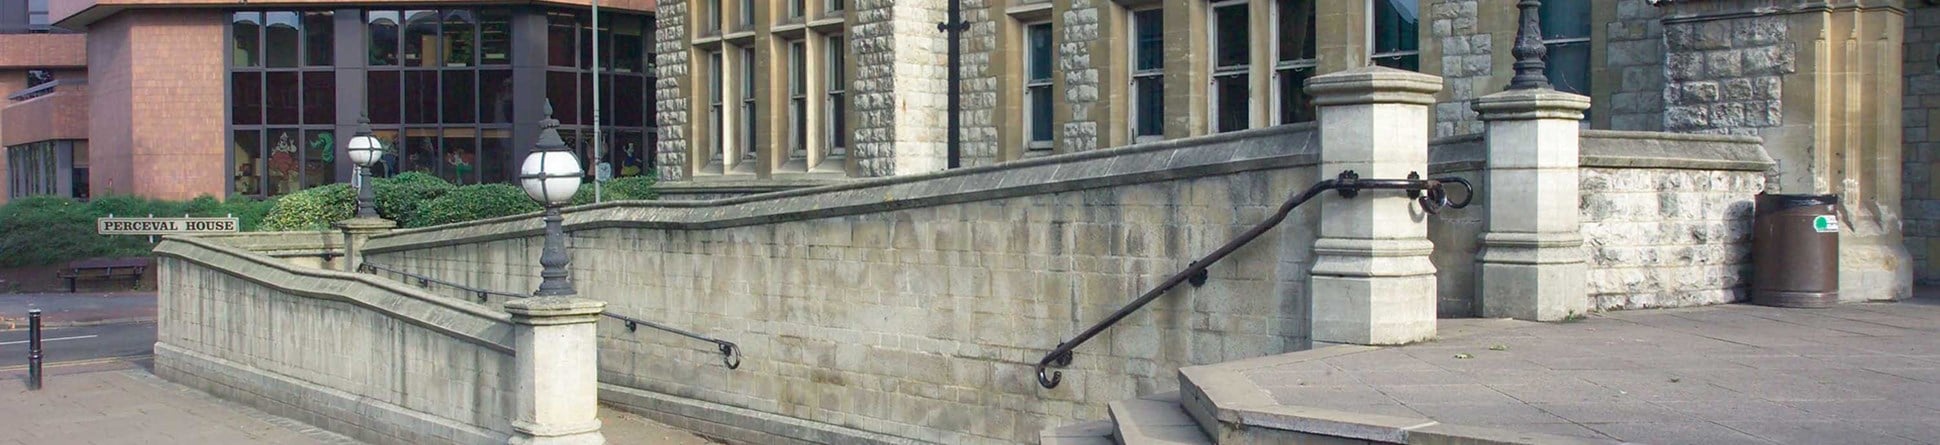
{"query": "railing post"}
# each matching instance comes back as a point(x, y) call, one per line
point(33, 349)
point(557, 400)
point(1372, 281)
point(358, 231)
point(1532, 264)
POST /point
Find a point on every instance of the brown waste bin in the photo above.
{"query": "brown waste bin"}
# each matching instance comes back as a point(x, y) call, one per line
point(1795, 251)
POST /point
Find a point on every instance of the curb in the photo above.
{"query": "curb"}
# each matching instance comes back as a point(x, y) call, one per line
point(21, 325)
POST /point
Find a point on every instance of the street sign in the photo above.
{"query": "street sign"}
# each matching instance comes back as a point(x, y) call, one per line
point(1826, 224)
point(603, 172)
point(163, 226)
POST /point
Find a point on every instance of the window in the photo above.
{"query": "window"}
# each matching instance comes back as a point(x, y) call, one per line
point(837, 106)
point(747, 140)
point(1037, 85)
point(1295, 61)
point(1566, 33)
point(282, 93)
point(1395, 41)
point(1148, 74)
point(281, 39)
point(318, 28)
point(57, 168)
point(37, 16)
point(795, 8)
point(713, 21)
point(245, 35)
point(383, 31)
point(744, 13)
point(39, 77)
point(835, 5)
point(716, 82)
point(1232, 107)
point(797, 101)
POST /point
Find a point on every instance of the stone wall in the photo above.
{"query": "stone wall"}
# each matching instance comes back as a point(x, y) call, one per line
point(1922, 139)
point(1634, 57)
point(1725, 74)
point(900, 81)
point(355, 355)
point(981, 141)
point(1467, 53)
point(1666, 218)
point(1080, 30)
point(917, 306)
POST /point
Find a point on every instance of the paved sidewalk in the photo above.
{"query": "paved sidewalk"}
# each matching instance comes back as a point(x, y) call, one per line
point(1853, 374)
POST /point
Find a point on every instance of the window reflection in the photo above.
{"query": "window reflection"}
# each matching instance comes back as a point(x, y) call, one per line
point(245, 38)
point(383, 38)
point(281, 39)
point(420, 38)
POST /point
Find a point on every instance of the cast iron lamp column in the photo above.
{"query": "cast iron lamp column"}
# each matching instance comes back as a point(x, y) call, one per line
point(1529, 49)
point(550, 175)
point(364, 150)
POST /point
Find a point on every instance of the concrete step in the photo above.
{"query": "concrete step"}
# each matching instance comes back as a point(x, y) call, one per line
point(1153, 420)
point(1096, 432)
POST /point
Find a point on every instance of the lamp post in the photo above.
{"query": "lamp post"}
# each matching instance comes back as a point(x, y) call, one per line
point(1529, 49)
point(364, 150)
point(550, 175)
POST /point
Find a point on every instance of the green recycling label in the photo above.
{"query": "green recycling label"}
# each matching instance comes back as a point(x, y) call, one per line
point(1825, 224)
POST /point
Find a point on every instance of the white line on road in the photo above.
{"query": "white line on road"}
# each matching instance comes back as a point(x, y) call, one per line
point(44, 340)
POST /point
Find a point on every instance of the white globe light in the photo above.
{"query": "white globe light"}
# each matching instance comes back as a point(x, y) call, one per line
point(364, 150)
point(551, 177)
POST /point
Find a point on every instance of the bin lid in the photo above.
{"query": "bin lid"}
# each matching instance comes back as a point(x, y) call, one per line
point(1768, 203)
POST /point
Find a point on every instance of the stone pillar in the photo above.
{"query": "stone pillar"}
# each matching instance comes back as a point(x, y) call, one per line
point(557, 388)
point(1372, 281)
point(1531, 251)
point(358, 231)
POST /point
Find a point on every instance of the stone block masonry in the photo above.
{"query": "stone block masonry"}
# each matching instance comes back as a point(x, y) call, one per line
point(1635, 58)
point(671, 92)
point(1922, 140)
point(916, 306)
point(1467, 56)
point(1725, 75)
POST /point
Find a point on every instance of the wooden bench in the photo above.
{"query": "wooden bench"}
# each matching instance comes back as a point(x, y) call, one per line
point(105, 269)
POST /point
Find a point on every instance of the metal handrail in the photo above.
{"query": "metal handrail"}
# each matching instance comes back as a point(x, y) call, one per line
point(426, 282)
point(730, 352)
point(1347, 183)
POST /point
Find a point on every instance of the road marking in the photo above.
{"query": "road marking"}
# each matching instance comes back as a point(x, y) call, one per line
point(44, 340)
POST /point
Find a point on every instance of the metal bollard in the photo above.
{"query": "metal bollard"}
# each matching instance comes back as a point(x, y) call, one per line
point(33, 349)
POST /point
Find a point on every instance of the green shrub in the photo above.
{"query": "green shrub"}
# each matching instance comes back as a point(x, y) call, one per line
point(312, 209)
point(629, 188)
point(473, 202)
point(42, 230)
point(399, 198)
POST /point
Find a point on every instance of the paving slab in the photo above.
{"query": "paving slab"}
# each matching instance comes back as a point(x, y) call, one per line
point(1855, 373)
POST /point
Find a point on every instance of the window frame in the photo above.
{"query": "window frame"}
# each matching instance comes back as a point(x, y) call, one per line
point(1046, 84)
point(1283, 67)
point(798, 98)
point(1373, 36)
point(1217, 72)
point(1135, 75)
point(1551, 43)
point(835, 107)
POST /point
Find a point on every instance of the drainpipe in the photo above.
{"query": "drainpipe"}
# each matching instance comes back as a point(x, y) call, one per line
point(953, 30)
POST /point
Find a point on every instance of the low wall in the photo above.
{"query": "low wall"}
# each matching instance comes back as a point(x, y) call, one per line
point(356, 355)
point(315, 249)
point(1666, 218)
point(917, 306)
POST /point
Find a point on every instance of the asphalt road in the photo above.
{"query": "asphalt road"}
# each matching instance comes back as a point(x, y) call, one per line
point(75, 344)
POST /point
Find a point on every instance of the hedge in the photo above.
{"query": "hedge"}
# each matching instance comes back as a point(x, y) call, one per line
point(473, 202)
point(43, 230)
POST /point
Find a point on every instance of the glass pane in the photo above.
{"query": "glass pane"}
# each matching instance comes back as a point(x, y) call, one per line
point(495, 36)
point(1295, 105)
point(716, 85)
point(285, 169)
point(245, 35)
point(319, 97)
point(495, 96)
point(835, 5)
point(384, 97)
point(282, 41)
point(797, 69)
point(1395, 27)
point(1569, 67)
point(421, 97)
point(628, 45)
point(460, 38)
point(319, 159)
point(1040, 113)
point(1404, 62)
point(383, 38)
point(460, 98)
point(747, 74)
point(461, 159)
point(1566, 19)
point(421, 38)
point(631, 154)
point(838, 120)
point(1151, 106)
point(494, 156)
point(747, 12)
point(388, 163)
point(563, 90)
point(246, 149)
point(837, 79)
point(1296, 30)
point(1150, 39)
point(586, 99)
point(1040, 51)
point(317, 31)
point(586, 43)
point(421, 151)
point(281, 94)
point(246, 98)
point(560, 35)
point(1235, 111)
point(631, 106)
point(1230, 35)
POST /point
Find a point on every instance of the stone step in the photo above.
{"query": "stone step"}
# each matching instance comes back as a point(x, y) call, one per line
point(1096, 432)
point(1153, 420)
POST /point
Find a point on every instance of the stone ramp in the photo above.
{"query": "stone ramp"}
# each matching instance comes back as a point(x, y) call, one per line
point(1857, 373)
